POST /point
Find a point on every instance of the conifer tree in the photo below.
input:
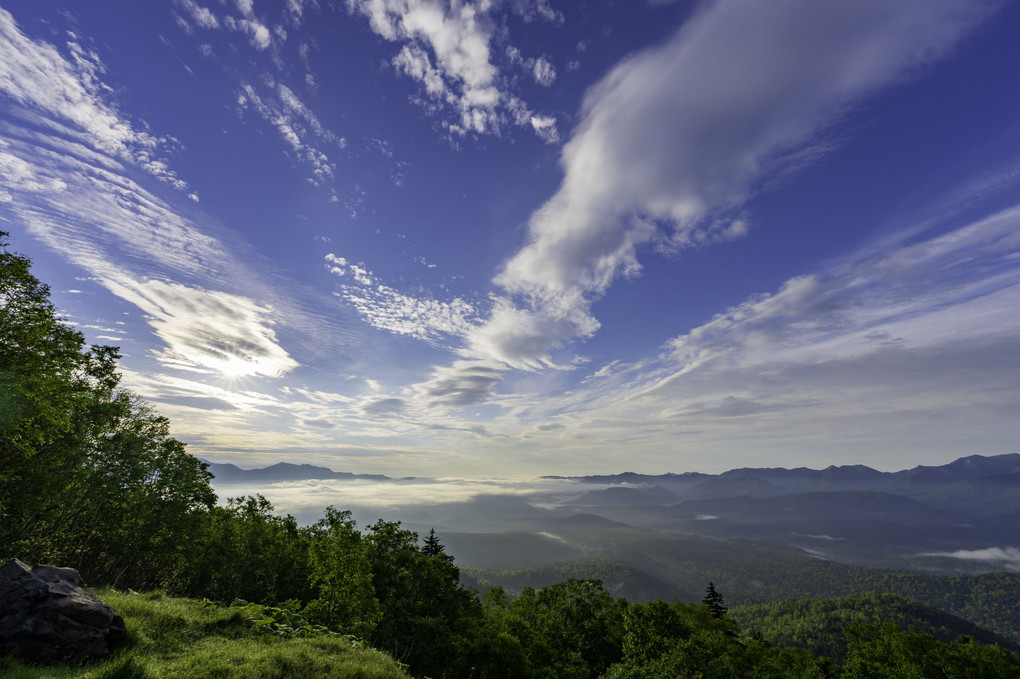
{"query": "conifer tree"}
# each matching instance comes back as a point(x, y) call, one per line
point(432, 546)
point(714, 601)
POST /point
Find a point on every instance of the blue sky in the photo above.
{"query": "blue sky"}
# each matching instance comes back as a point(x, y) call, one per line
point(523, 237)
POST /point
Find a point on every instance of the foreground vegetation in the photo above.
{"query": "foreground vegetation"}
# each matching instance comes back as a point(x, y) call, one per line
point(571, 629)
point(187, 638)
point(91, 478)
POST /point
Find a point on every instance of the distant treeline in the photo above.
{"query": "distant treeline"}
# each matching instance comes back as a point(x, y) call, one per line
point(91, 478)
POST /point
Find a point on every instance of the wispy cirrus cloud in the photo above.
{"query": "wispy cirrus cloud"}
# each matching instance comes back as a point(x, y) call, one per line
point(296, 10)
point(73, 166)
point(207, 330)
point(543, 71)
point(875, 329)
point(675, 138)
point(903, 349)
point(896, 349)
point(65, 96)
point(280, 105)
point(296, 124)
point(914, 297)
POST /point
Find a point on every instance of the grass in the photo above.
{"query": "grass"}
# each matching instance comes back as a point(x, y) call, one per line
point(186, 638)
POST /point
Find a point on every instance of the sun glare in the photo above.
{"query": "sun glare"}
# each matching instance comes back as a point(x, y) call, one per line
point(236, 367)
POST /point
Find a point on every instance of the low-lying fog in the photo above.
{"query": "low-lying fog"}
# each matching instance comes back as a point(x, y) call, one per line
point(458, 505)
point(414, 501)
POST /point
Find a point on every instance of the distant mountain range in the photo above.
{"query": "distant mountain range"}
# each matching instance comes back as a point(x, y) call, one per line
point(976, 484)
point(957, 517)
point(846, 477)
point(959, 479)
point(282, 471)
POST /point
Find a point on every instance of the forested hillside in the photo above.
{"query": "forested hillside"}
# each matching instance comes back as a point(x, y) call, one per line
point(90, 477)
point(643, 566)
point(821, 624)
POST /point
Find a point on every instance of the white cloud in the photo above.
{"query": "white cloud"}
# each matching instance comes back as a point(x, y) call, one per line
point(189, 393)
point(526, 339)
point(296, 10)
point(911, 349)
point(65, 96)
point(461, 384)
point(911, 298)
point(200, 15)
point(206, 330)
point(448, 50)
point(530, 10)
point(544, 73)
point(905, 352)
point(308, 141)
point(258, 33)
point(458, 38)
point(382, 146)
point(676, 137)
point(311, 496)
point(387, 309)
point(68, 160)
point(296, 124)
point(118, 215)
point(545, 127)
point(1008, 556)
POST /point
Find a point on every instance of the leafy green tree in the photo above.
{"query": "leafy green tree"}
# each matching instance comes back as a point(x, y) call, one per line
point(341, 576)
point(498, 647)
point(143, 492)
point(52, 394)
point(89, 475)
point(650, 627)
point(426, 614)
point(245, 551)
point(572, 629)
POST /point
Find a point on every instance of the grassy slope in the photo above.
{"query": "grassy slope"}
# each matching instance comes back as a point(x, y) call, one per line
point(182, 638)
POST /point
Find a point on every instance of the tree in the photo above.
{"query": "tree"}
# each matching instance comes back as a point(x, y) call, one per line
point(341, 575)
point(432, 546)
point(425, 611)
point(570, 630)
point(52, 396)
point(89, 474)
point(650, 627)
point(714, 601)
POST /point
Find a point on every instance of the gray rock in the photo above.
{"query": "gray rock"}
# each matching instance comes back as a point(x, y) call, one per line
point(46, 613)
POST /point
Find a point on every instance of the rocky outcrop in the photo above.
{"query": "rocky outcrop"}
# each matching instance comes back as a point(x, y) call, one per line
point(46, 613)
